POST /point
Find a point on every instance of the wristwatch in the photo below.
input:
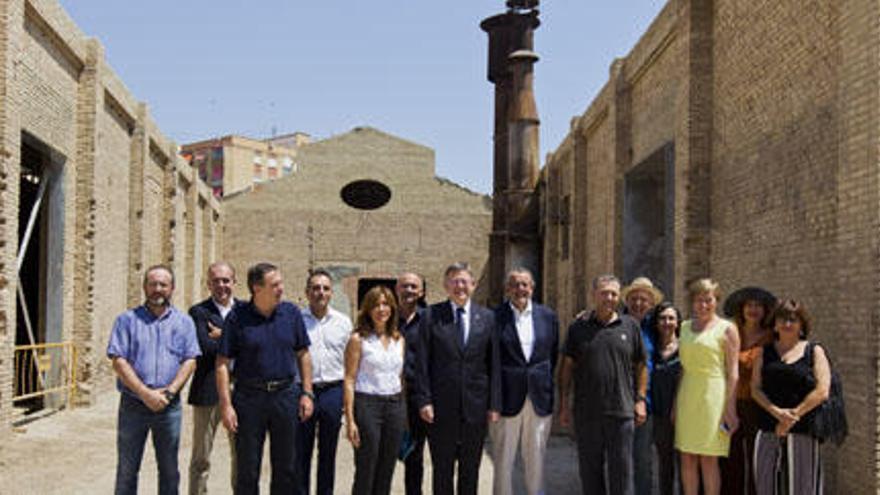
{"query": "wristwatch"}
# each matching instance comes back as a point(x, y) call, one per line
point(309, 395)
point(640, 398)
point(169, 395)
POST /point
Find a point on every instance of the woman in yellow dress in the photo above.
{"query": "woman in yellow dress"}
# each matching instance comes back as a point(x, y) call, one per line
point(705, 413)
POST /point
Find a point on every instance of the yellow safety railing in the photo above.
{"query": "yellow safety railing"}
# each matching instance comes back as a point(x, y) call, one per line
point(43, 369)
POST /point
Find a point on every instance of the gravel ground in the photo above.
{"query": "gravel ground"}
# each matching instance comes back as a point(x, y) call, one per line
point(74, 451)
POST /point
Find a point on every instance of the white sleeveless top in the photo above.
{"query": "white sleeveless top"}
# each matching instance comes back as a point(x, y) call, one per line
point(380, 368)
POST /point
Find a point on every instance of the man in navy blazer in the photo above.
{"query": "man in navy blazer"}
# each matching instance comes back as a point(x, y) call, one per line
point(458, 381)
point(528, 340)
point(210, 319)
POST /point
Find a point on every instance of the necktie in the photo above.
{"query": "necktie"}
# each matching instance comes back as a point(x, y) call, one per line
point(459, 323)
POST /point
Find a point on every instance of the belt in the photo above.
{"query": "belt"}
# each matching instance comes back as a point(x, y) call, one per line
point(320, 387)
point(266, 386)
point(378, 398)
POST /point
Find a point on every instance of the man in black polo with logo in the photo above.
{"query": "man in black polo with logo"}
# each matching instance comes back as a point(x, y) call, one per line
point(267, 339)
point(605, 355)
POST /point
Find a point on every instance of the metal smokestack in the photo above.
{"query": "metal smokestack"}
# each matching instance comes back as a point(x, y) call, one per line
point(514, 240)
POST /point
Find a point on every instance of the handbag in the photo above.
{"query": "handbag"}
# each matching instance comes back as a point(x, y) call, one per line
point(829, 419)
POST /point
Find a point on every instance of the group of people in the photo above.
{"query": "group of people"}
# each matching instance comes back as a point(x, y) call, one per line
point(636, 382)
point(700, 390)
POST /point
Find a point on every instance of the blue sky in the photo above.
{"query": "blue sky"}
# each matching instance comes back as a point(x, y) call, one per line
point(413, 68)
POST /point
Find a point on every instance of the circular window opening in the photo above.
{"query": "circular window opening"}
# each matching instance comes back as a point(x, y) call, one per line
point(365, 194)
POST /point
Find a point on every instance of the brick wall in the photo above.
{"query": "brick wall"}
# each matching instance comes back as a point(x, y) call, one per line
point(118, 186)
point(772, 109)
point(300, 221)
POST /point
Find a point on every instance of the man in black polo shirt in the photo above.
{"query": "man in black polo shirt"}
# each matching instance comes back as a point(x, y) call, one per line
point(267, 339)
point(606, 356)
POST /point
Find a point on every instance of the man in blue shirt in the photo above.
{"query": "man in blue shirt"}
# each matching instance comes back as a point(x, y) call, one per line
point(153, 348)
point(268, 341)
point(640, 297)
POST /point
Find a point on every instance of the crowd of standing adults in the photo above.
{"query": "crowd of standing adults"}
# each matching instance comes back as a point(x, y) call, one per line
point(639, 385)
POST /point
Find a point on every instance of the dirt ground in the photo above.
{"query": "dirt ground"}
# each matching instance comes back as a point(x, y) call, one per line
point(74, 451)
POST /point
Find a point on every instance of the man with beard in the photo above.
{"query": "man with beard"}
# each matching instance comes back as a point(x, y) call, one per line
point(210, 319)
point(410, 290)
point(153, 348)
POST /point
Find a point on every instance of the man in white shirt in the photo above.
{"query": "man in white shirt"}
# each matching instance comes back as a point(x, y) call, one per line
point(328, 332)
point(528, 338)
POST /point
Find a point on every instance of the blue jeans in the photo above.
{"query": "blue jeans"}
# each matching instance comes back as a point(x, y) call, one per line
point(327, 419)
point(134, 421)
point(260, 412)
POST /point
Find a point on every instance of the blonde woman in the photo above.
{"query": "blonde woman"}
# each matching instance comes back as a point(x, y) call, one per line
point(373, 403)
point(705, 414)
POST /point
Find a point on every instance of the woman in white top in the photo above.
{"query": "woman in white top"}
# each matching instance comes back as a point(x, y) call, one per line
point(374, 408)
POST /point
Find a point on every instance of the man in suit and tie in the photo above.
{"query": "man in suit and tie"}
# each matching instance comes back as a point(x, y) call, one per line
point(528, 339)
point(458, 381)
point(209, 317)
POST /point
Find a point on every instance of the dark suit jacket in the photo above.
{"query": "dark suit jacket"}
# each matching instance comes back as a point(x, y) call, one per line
point(203, 389)
point(461, 383)
point(534, 377)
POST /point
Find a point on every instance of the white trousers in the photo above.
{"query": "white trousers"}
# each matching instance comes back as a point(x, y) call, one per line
point(529, 431)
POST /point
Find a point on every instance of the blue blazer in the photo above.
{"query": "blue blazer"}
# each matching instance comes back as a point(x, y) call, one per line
point(532, 378)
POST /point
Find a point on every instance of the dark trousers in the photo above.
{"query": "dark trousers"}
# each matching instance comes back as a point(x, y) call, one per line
point(380, 421)
point(667, 456)
point(737, 471)
point(326, 419)
point(260, 412)
point(643, 457)
point(461, 442)
point(605, 444)
point(415, 469)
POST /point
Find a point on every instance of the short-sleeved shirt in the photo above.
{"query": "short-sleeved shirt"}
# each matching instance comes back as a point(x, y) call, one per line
point(606, 356)
point(153, 346)
point(264, 348)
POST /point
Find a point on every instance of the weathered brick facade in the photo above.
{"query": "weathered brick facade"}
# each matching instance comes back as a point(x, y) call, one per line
point(300, 221)
point(119, 199)
point(759, 121)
